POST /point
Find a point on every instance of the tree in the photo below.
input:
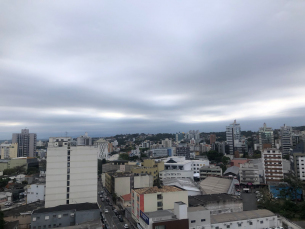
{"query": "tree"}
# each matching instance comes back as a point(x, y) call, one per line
point(124, 156)
point(296, 185)
point(225, 160)
point(2, 222)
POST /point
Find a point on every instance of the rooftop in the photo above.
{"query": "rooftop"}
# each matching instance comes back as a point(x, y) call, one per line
point(214, 185)
point(127, 197)
point(232, 169)
point(184, 183)
point(155, 189)
point(244, 215)
point(76, 207)
point(240, 159)
point(203, 200)
point(195, 209)
point(160, 213)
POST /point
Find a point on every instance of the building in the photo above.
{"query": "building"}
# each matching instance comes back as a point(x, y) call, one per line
point(71, 175)
point(151, 167)
point(211, 170)
point(163, 152)
point(102, 146)
point(169, 174)
point(124, 166)
point(297, 159)
point(64, 215)
point(9, 151)
point(187, 184)
point(121, 183)
point(155, 199)
point(26, 143)
point(193, 134)
point(183, 151)
point(167, 143)
point(179, 137)
point(212, 138)
point(125, 200)
point(272, 165)
point(232, 171)
point(165, 218)
point(217, 203)
point(23, 162)
point(249, 174)
point(286, 139)
point(199, 217)
point(265, 137)
point(35, 192)
point(233, 135)
point(180, 163)
point(238, 161)
point(216, 185)
point(84, 140)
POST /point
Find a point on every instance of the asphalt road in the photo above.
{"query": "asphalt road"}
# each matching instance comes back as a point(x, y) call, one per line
point(111, 219)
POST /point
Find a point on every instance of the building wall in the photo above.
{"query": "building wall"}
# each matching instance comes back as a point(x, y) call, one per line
point(143, 181)
point(169, 198)
point(17, 162)
point(201, 218)
point(272, 165)
point(35, 192)
point(3, 166)
point(167, 174)
point(26, 143)
point(85, 216)
point(53, 219)
point(9, 150)
point(177, 224)
point(225, 207)
point(122, 185)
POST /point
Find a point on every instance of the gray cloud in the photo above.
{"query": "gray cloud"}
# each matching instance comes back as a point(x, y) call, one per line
point(109, 67)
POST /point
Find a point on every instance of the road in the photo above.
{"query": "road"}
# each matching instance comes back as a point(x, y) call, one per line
point(111, 219)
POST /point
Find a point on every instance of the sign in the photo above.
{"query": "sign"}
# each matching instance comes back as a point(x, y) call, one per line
point(144, 217)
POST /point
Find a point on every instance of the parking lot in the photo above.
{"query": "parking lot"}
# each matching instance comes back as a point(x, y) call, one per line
point(249, 201)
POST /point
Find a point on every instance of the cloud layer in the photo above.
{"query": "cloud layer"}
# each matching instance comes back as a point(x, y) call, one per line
point(110, 67)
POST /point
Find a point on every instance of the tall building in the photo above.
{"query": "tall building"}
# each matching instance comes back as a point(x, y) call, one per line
point(212, 138)
point(184, 151)
point(26, 143)
point(8, 151)
point(286, 139)
point(193, 134)
point(179, 137)
point(297, 160)
point(71, 176)
point(272, 165)
point(233, 135)
point(84, 140)
point(102, 146)
point(167, 143)
point(265, 137)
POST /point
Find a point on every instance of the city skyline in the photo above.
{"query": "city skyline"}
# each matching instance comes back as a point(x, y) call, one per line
point(108, 68)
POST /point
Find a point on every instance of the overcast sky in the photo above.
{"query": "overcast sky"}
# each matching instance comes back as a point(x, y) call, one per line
point(111, 67)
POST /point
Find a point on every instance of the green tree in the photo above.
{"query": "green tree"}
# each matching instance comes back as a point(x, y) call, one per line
point(225, 160)
point(2, 222)
point(124, 156)
point(295, 185)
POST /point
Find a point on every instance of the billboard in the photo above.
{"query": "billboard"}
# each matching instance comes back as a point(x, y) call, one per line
point(144, 217)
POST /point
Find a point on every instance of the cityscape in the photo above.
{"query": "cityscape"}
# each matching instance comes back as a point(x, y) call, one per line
point(152, 114)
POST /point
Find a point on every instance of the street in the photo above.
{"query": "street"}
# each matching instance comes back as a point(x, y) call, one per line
point(111, 219)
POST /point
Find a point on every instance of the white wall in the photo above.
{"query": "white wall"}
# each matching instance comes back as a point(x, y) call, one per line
point(35, 192)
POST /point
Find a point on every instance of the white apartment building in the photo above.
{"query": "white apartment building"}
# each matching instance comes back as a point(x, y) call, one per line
point(9, 151)
point(71, 176)
point(180, 163)
point(249, 173)
point(167, 143)
point(102, 146)
point(168, 174)
point(272, 165)
point(286, 139)
point(35, 192)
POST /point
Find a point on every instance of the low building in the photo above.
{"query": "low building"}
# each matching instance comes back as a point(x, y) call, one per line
point(151, 167)
point(180, 163)
point(199, 217)
point(125, 200)
point(123, 166)
point(155, 199)
point(187, 184)
point(249, 174)
point(121, 183)
point(217, 203)
point(25, 162)
point(238, 161)
point(169, 174)
point(216, 185)
point(232, 171)
point(35, 192)
point(211, 170)
point(64, 215)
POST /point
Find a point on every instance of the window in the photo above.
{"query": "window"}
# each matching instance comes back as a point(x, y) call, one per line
point(228, 226)
point(160, 204)
point(68, 183)
point(68, 189)
point(46, 217)
point(67, 196)
point(202, 220)
point(67, 201)
point(54, 216)
point(262, 222)
point(59, 216)
point(68, 177)
point(250, 223)
point(50, 226)
point(193, 221)
point(159, 196)
point(239, 224)
point(34, 219)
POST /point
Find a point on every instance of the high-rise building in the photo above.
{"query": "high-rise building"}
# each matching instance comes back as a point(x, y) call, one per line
point(26, 143)
point(179, 137)
point(286, 139)
point(233, 135)
point(71, 176)
point(102, 146)
point(297, 160)
point(272, 165)
point(265, 137)
point(212, 138)
point(84, 140)
point(193, 134)
point(184, 151)
point(167, 143)
point(8, 151)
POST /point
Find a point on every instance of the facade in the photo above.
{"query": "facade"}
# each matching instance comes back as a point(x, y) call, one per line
point(179, 137)
point(169, 174)
point(26, 143)
point(163, 152)
point(212, 138)
point(155, 199)
point(35, 192)
point(102, 146)
point(84, 140)
point(18, 162)
point(180, 163)
point(211, 170)
point(9, 151)
point(121, 183)
point(249, 174)
point(286, 139)
point(183, 151)
point(297, 159)
point(238, 161)
point(65, 215)
point(265, 137)
point(272, 165)
point(167, 143)
point(233, 135)
point(151, 167)
point(193, 134)
point(71, 175)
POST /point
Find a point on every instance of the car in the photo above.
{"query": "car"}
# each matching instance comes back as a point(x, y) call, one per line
point(102, 192)
point(110, 204)
point(8, 204)
point(103, 199)
point(120, 218)
point(101, 196)
point(126, 226)
point(257, 192)
point(106, 210)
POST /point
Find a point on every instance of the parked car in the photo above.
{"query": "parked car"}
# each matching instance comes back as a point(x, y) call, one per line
point(110, 204)
point(103, 199)
point(106, 210)
point(120, 218)
point(101, 196)
point(126, 226)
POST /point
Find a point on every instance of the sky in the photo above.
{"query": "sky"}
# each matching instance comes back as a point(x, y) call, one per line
point(113, 67)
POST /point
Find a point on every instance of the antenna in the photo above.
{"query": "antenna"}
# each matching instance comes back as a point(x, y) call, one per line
point(66, 134)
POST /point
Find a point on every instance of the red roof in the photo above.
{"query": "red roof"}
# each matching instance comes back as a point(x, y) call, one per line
point(127, 197)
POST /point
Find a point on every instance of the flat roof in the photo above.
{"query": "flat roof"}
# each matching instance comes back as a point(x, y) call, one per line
point(159, 213)
point(244, 215)
point(195, 209)
point(155, 189)
point(67, 207)
point(203, 200)
point(214, 185)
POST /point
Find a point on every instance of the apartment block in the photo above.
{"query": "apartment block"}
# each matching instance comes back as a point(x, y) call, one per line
point(26, 143)
point(272, 165)
point(211, 170)
point(265, 137)
point(168, 174)
point(249, 174)
point(9, 151)
point(150, 167)
point(286, 139)
point(183, 151)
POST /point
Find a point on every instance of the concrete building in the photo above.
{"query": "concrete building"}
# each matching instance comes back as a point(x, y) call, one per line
point(249, 174)
point(286, 139)
point(212, 138)
point(102, 146)
point(23, 162)
point(151, 167)
point(179, 137)
point(123, 166)
point(9, 151)
point(169, 174)
point(35, 192)
point(217, 203)
point(232, 171)
point(64, 215)
point(297, 159)
point(71, 175)
point(211, 170)
point(121, 183)
point(265, 137)
point(183, 151)
point(180, 163)
point(167, 143)
point(238, 161)
point(155, 199)
point(159, 152)
point(193, 134)
point(187, 184)
point(272, 165)
point(84, 140)
point(233, 135)
point(26, 143)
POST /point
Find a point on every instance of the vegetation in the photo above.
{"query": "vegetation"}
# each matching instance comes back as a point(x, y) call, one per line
point(3, 182)
point(14, 171)
point(2, 222)
point(32, 170)
point(124, 156)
